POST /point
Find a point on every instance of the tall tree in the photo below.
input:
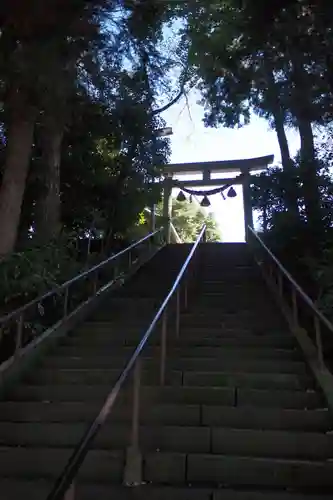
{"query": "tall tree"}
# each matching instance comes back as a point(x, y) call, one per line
point(278, 73)
point(36, 44)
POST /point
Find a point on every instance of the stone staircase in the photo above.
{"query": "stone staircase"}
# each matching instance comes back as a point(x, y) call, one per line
point(240, 417)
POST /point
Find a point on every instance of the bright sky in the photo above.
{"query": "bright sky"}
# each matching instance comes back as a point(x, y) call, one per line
point(192, 142)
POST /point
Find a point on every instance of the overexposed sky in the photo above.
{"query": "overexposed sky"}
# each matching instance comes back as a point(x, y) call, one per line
point(192, 142)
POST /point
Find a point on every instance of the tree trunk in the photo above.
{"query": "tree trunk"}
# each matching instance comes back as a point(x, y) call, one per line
point(19, 146)
point(119, 184)
point(48, 219)
point(302, 109)
point(309, 175)
point(288, 167)
point(287, 163)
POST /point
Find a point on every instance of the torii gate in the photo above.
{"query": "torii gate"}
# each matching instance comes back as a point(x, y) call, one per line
point(242, 169)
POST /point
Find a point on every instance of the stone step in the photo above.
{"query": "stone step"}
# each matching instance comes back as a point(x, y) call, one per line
point(251, 417)
point(279, 399)
point(225, 263)
point(107, 331)
point(127, 338)
point(238, 313)
point(145, 291)
point(48, 463)
point(224, 396)
point(234, 322)
point(117, 303)
point(188, 439)
point(111, 436)
point(148, 288)
point(214, 289)
point(236, 364)
point(271, 444)
point(223, 283)
point(38, 490)
point(205, 320)
point(150, 413)
point(170, 414)
point(222, 307)
point(218, 285)
point(45, 376)
point(230, 279)
point(97, 376)
point(108, 328)
point(232, 300)
point(216, 297)
point(221, 310)
point(254, 380)
point(184, 395)
point(224, 494)
point(258, 432)
point(117, 313)
point(220, 353)
point(242, 417)
point(177, 468)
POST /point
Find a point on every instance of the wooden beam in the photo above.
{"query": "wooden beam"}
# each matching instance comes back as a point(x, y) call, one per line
point(212, 182)
point(251, 164)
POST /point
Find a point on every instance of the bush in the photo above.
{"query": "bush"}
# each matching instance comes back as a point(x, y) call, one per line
point(32, 272)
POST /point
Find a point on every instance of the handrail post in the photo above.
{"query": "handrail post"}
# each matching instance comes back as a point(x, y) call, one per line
point(133, 466)
point(70, 493)
point(319, 340)
point(163, 346)
point(185, 294)
point(129, 259)
point(95, 283)
point(66, 302)
point(19, 331)
point(136, 403)
point(115, 272)
point(178, 312)
point(295, 308)
point(280, 283)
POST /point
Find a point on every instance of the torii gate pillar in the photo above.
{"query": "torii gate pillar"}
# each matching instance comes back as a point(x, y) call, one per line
point(247, 202)
point(167, 207)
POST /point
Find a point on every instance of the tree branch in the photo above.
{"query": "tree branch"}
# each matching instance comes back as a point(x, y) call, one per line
point(171, 103)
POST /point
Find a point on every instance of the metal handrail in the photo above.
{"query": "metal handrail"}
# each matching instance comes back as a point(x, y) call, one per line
point(296, 286)
point(292, 313)
point(172, 227)
point(176, 235)
point(68, 283)
point(69, 473)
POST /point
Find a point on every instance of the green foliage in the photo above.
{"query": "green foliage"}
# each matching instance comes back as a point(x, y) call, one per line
point(269, 195)
point(101, 72)
point(98, 71)
point(30, 273)
point(110, 180)
point(291, 239)
point(282, 74)
point(188, 219)
point(269, 198)
point(322, 271)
